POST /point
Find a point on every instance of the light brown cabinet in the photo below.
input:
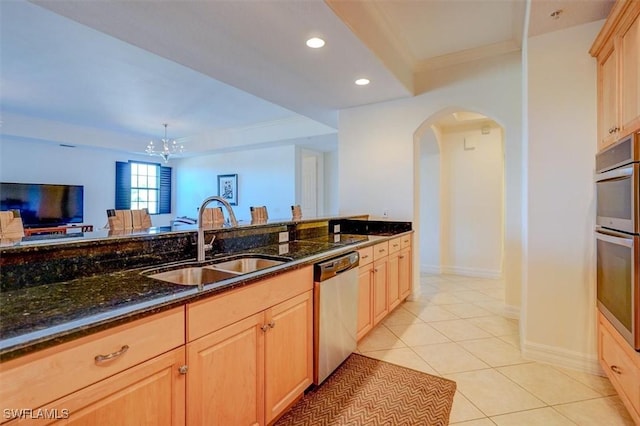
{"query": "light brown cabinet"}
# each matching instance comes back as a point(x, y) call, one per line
point(405, 270)
point(256, 357)
point(380, 305)
point(365, 292)
point(151, 393)
point(288, 353)
point(393, 274)
point(617, 50)
point(629, 47)
point(226, 368)
point(110, 373)
point(608, 127)
point(621, 364)
point(384, 281)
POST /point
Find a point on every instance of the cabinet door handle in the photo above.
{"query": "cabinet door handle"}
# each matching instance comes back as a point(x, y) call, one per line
point(381, 251)
point(112, 355)
point(272, 324)
point(400, 257)
point(264, 328)
point(616, 369)
point(365, 256)
point(183, 369)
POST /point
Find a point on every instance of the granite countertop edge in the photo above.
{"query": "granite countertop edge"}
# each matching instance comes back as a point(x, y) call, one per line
point(35, 340)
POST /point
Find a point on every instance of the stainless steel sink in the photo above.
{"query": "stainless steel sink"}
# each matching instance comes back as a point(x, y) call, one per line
point(199, 273)
point(195, 275)
point(245, 265)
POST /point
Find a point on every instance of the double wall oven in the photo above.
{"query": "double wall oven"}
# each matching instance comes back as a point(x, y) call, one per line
point(618, 236)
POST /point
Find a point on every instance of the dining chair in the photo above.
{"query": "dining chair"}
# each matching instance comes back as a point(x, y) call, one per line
point(213, 216)
point(11, 224)
point(128, 219)
point(259, 214)
point(296, 212)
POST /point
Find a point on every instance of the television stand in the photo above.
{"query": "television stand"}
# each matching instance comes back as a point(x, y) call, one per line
point(57, 229)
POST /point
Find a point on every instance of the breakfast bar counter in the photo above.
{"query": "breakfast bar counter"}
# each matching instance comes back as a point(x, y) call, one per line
point(39, 314)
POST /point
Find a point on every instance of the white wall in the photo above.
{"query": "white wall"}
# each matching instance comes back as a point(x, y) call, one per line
point(30, 161)
point(430, 203)
point(472, 185)
point(265, 177)
point(377, 148)
point(331, 183)
point(559, 285)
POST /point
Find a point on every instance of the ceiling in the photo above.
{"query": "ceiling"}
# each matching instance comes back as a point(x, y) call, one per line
point(229, 74)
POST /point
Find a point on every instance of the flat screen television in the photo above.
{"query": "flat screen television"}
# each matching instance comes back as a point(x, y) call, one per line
point(43, 205)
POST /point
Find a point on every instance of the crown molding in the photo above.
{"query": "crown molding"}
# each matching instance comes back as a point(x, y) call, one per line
point(468, 55)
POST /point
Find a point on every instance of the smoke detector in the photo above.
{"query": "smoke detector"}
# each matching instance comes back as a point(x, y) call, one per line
point(556, 14)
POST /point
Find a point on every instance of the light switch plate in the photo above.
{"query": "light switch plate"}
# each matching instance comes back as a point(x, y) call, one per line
point(283, 237)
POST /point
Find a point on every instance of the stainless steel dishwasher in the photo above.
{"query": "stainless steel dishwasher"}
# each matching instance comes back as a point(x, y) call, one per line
point(335, 313)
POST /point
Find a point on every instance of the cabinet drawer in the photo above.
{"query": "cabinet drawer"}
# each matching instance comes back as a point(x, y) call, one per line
point(124, 398)
point(619, 366)
point(209, 315)
point(405, 241)
point(366, 255)
point(39, 378)
point(395, 245)
point(380, 250)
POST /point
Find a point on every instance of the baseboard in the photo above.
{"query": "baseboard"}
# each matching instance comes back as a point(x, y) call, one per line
point(471, 272)
point(430, 269)
point(562, 358)
point(459, 270)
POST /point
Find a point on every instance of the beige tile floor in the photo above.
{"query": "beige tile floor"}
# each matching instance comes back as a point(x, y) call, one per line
point(456, 329)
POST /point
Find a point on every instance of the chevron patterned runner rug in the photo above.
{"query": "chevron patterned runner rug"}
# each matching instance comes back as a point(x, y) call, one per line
point(366, 391)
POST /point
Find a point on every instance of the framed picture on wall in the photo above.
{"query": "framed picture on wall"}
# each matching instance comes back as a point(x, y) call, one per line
point(228, 188)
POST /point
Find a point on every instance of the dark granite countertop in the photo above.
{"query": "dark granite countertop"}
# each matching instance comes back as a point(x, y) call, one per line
point(36, 317)
point(74, 236)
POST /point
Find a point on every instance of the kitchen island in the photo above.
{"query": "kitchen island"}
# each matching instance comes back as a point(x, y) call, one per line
point(93, 290)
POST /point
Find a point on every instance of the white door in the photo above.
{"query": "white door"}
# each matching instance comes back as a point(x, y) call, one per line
point(309, 196)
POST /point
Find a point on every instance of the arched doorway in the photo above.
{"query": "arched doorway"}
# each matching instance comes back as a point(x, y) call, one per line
point(460, 194)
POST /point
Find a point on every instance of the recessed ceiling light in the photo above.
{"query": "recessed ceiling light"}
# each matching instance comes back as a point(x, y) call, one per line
point(362, 81)
point(315, 42)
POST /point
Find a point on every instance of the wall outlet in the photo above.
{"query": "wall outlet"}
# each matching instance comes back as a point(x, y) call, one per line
point(336, 229)
point(283, 237)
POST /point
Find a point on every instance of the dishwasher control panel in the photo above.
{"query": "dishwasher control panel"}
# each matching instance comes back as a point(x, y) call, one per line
point(330, 268)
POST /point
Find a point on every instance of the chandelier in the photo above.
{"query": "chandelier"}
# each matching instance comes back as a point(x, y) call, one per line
point(168, 148)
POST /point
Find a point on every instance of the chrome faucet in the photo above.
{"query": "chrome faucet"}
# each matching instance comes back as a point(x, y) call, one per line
point(202, 247)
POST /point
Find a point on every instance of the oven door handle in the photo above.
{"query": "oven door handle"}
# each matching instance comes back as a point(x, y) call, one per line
point(615, 174)
point(613, 237)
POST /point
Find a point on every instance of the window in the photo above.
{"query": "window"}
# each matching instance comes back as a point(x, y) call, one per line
point(143, 185)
